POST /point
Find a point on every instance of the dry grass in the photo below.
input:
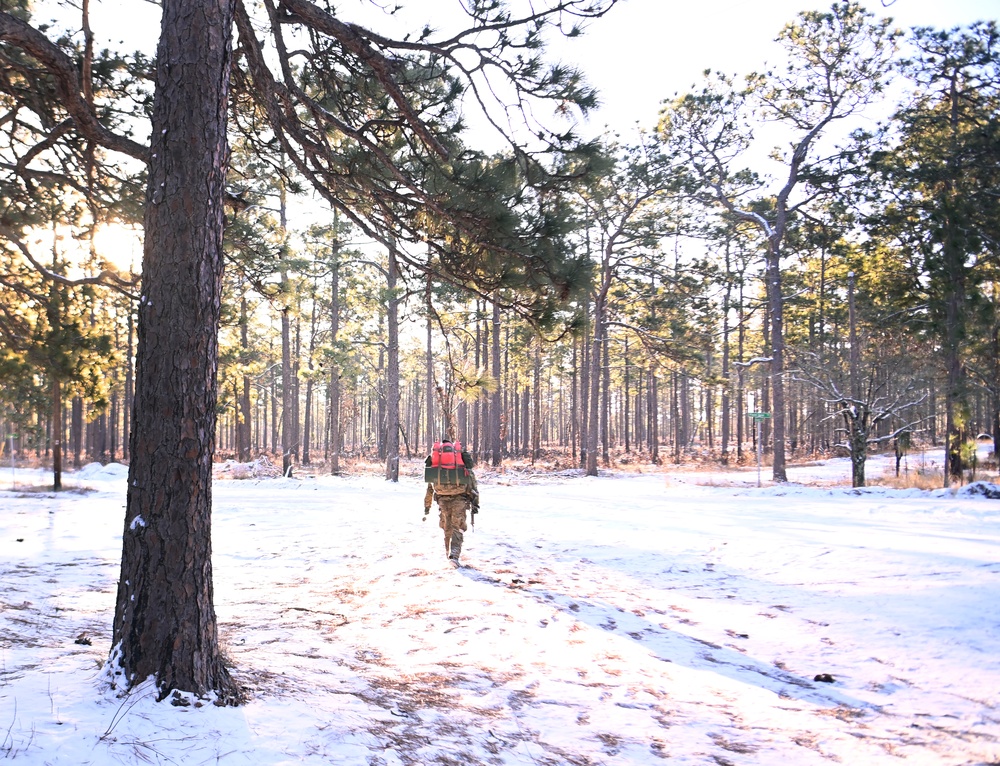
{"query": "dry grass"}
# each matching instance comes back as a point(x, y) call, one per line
point(926, 478)
point(919, 479)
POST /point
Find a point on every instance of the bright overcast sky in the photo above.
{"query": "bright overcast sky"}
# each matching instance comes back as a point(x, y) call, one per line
point(645, 51)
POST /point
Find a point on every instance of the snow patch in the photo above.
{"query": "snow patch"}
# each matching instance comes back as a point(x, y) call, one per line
point(612, 619)
point(99, 472)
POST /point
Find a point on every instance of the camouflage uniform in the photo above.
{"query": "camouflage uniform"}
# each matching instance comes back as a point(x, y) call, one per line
point(453, 501)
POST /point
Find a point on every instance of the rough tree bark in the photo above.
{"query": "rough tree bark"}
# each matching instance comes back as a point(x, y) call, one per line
point(165, 625)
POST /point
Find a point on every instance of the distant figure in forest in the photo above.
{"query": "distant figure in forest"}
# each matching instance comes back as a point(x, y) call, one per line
point(450, 481)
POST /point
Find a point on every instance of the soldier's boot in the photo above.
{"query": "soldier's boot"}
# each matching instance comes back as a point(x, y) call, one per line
point(456, 545)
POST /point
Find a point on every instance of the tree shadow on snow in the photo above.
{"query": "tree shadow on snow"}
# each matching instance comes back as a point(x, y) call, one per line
point(666, 643)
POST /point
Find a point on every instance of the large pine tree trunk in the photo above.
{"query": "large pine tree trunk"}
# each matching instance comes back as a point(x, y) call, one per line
point(777, 324)
point(165, 625)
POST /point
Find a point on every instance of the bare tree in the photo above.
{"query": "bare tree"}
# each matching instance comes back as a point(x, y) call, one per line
point(838, 61)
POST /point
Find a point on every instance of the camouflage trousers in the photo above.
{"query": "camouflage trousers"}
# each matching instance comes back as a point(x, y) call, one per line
point(451, 516)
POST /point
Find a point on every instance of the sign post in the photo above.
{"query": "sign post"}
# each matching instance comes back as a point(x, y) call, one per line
point(13, 474)
point(757, 417)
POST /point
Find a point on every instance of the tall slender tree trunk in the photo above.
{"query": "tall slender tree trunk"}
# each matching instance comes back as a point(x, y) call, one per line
point(477, 405)
point(296, 384)
point(392, 373)
point(275, 425)
point(379, 395)
point(606, 398)
point(287, 408)
point(429, 368)
point(726, 384)
point(675, 416)
point(307, 426)
point(594, 416)
point(574, 415)
point(336, 438)
point(76, 430)
point(496, 411)
point(243, 422)
point(57, 433)
point(626, 400)
point(776, 305)
point(165, 624)
point(585, 388)
point(597, 424)
point(536, 391)
point(653, 410)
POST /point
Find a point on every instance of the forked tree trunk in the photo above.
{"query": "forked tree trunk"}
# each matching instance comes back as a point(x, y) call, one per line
point(165, 625)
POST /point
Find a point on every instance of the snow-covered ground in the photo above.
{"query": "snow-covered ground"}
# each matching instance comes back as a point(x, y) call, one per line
point(678, 617)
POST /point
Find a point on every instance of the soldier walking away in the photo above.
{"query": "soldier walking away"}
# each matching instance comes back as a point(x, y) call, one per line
point(450, 481)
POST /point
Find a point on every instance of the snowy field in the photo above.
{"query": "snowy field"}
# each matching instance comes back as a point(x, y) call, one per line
point(675, 618)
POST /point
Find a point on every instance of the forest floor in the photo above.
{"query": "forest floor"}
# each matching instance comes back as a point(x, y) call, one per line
point(631, 618)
